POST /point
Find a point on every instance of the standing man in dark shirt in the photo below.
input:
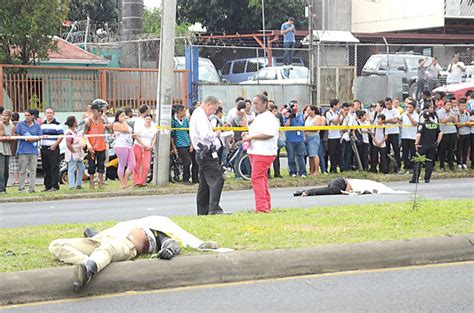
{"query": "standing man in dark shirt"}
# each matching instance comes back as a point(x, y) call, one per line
point(427, 139)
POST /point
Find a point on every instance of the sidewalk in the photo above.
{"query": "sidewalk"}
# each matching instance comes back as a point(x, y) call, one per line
point(151, 274)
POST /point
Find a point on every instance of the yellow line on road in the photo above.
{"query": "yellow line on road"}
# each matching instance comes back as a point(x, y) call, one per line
point(247, 282)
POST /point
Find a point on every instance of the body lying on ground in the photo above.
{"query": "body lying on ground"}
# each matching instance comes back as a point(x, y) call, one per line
point(149, 235)
point(348, 186)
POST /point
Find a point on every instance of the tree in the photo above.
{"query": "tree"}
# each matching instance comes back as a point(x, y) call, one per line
point(240, 15)
point(99, 11)
point(152, 22)
point(27, 28)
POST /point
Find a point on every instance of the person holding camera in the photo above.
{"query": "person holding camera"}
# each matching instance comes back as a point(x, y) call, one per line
point(455, 71)
point(295, 145)
point(334, 117)
point(206, 143)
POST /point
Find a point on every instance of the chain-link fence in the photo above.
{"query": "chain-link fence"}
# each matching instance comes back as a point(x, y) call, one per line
point(366, 71)
point(140, 53)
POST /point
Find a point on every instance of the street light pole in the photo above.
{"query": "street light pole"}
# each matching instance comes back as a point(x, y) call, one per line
point(263, 18)
point(161, 158)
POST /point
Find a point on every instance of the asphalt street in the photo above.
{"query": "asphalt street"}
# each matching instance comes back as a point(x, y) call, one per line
point(123, 208)
point(438, 288)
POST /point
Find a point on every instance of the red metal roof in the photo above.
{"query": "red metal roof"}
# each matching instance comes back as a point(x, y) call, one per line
point(69, 51)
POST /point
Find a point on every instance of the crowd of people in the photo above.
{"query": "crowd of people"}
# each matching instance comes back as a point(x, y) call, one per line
point(309, 151)
point(133, 142)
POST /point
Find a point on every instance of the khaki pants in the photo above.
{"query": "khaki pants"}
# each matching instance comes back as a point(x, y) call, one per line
point(30, 162)
point(101, 249)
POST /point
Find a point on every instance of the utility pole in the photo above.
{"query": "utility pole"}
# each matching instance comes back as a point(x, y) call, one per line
point(311, 50)
point(161, 164)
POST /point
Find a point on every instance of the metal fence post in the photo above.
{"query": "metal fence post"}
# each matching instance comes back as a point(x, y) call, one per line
point(318, 78)
point(103, 84)
point(1, 85)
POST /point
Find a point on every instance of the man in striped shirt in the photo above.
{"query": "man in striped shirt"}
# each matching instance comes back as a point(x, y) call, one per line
point(50, 155)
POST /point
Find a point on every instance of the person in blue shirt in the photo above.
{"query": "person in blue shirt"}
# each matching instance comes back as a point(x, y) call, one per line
point(288, 32)
point(295, 145)
point(28, 149)
point(180, 141)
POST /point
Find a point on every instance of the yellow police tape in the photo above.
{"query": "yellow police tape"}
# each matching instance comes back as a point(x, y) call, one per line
point(316, 128)
point(229, 128)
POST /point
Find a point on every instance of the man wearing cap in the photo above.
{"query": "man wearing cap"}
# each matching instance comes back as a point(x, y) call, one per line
point(96, 143)
point(288, 32)
point(149, 235)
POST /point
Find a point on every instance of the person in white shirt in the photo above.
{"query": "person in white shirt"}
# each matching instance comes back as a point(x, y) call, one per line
point(409, 121)
point(232, 112)
point(263, 145)
point(447, 145)
point(206, 142)
point(432, 73)
point(248, 111)
point(378, 154)
point(346, 148)
point(362, 136)
point(334, 118)
point(455, 71)
point(392, 117)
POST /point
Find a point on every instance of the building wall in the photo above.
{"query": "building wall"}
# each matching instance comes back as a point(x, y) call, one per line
point(395, 15)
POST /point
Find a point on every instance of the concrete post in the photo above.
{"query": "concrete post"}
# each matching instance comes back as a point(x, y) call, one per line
point(165, 92)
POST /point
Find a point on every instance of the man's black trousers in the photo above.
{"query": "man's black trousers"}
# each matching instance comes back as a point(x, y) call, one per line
point(211, 182)
point(333, 188)
point(334, 149)
point(50, 164)
point(430, 153)
point(408, 152)
point(392, 141)
point(447, 145)
point(463, 147)
point(185, 156)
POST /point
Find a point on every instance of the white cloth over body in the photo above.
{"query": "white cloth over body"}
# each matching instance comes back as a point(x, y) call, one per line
point(160, 223)
point(360, 186)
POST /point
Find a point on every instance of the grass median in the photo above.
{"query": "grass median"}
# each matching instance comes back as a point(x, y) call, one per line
point(27, 247)
point(112, 188)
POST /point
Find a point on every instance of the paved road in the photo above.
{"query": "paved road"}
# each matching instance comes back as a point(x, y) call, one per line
point(441, 288)
point(89, 210)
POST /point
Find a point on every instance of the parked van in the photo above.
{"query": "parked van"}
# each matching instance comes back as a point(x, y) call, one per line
point(207, 70)
point(240, 70)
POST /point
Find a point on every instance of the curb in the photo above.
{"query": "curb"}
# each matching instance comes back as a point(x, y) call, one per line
point(290, 183)
point(139, 275)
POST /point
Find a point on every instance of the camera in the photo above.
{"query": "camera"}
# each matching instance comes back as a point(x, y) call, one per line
point(291, 108)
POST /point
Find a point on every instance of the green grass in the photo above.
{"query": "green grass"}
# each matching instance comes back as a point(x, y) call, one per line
point(112, 188)
point(290, 228)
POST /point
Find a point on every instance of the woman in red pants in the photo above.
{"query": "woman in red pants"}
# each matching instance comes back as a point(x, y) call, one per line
point(262, 139)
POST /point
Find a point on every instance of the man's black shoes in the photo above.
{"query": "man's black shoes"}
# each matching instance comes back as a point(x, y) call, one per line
point(413, 181)
point(90, 232)
point(298, 193)
point(83, 274)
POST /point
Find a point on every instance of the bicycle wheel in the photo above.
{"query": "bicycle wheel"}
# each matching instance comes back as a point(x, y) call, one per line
point(244, 167)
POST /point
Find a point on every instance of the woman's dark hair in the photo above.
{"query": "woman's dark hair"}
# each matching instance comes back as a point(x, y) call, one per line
point(179, 108)
point(34, 112)
point(262, 97)
point(315, 109)
point(70, 120)
point(148, 115)
point(15, 117)
point(117, 114)
point(241, 105)
point(219, 110)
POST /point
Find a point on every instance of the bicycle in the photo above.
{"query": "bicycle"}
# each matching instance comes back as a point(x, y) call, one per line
point(238, 165)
